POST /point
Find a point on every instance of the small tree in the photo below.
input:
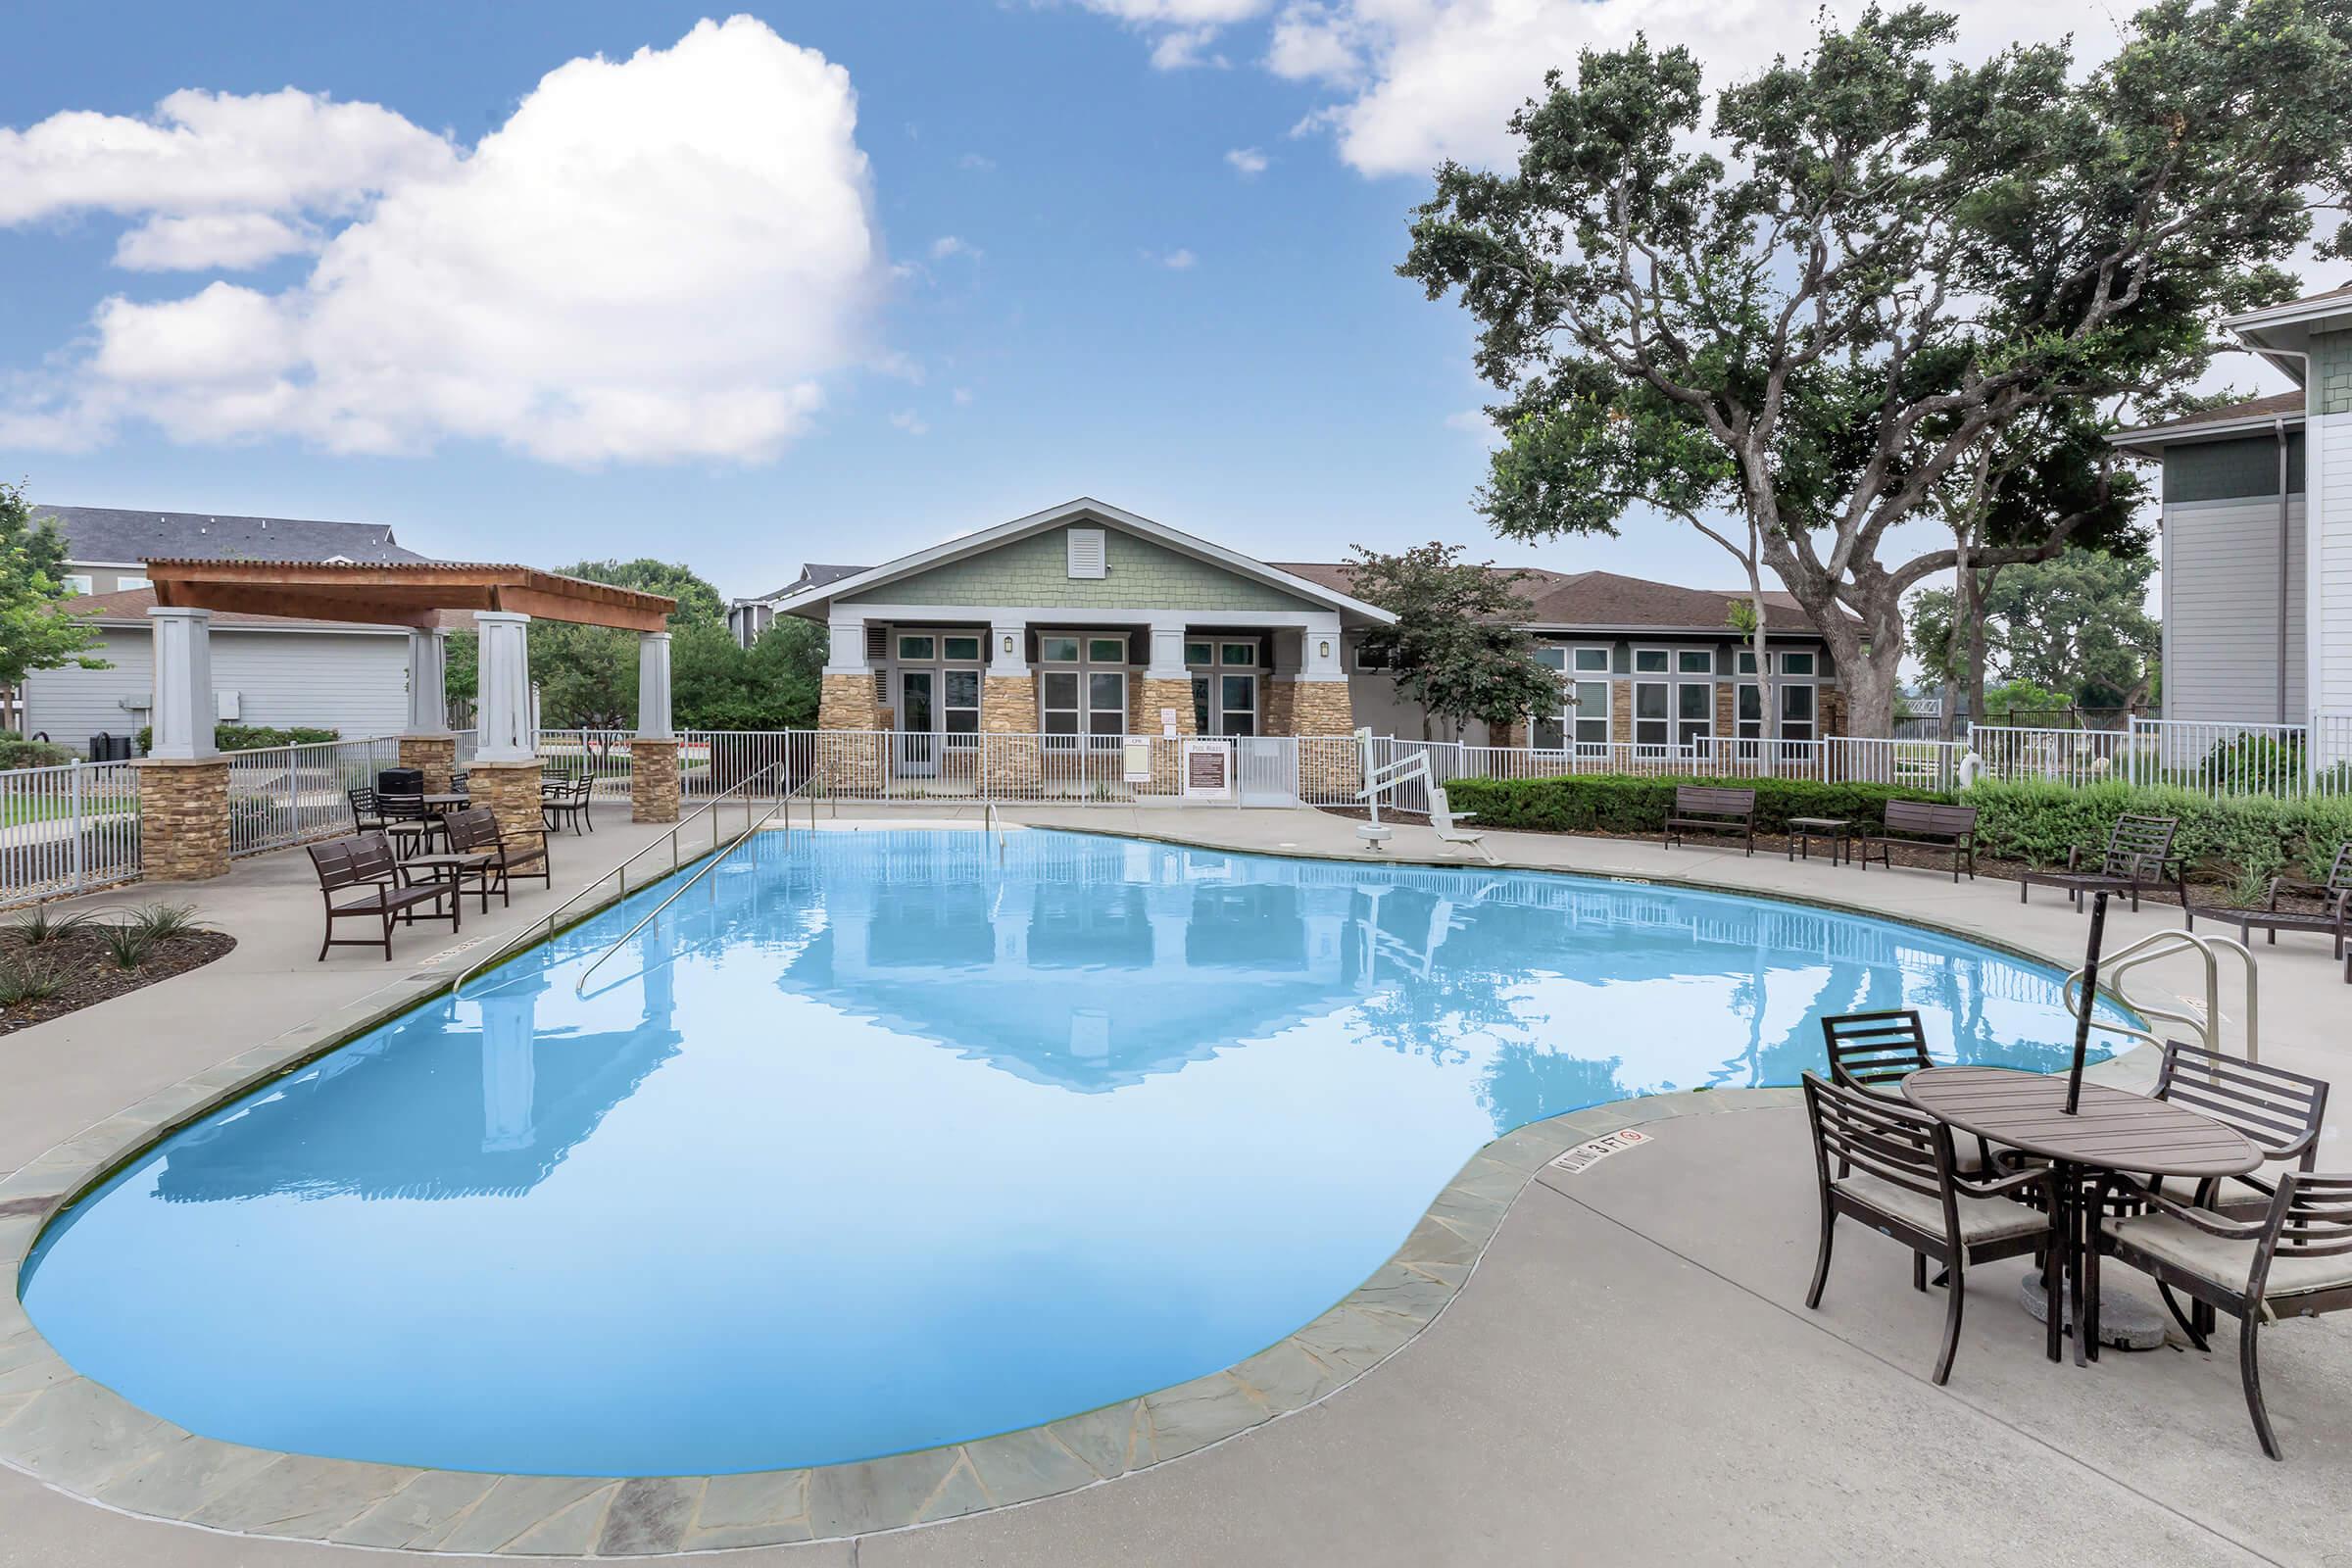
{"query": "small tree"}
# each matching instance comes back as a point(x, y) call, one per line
point(33, 634)
point(2078, 624)
point(1457, 647)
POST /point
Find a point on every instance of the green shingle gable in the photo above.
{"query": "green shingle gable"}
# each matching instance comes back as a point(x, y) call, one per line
point(1141, 575)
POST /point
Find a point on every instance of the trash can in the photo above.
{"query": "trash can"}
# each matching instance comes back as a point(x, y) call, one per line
point(400, 782)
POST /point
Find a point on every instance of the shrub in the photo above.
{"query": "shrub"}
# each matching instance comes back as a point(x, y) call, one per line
point(163, 921)
point(126, 945)
point(28, 980)
point(2231, 837)
point(37, 925)
point(255, 737)
point(31, 754)
point(1617, 803)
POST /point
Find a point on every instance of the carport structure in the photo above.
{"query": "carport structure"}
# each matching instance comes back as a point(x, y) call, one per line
point(184, 780)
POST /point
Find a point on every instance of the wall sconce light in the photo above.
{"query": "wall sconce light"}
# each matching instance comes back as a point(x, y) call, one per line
point(1324, 648)
point(1008, 645)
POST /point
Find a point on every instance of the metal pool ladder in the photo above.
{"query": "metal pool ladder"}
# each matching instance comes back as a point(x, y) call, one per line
point(2166, 945)
point(550, 922)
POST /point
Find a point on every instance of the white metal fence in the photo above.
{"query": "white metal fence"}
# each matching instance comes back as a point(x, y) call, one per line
point(2215, 757)
point(286, 795)
point(66, 830)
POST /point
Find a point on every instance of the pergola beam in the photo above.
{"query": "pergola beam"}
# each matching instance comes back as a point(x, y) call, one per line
point(401, 594)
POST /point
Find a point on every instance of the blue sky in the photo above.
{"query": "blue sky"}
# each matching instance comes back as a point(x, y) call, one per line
point(1138, 249)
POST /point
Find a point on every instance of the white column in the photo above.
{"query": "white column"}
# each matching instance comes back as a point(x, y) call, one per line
point(1008, 648)
point(505, 724)
point(184, 711)
point(653, 686)
point(1167, 650)
point(428, 687)
point(1320, 656)
point(848, 653)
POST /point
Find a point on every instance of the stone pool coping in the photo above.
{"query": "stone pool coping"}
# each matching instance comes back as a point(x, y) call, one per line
point(80, 1438)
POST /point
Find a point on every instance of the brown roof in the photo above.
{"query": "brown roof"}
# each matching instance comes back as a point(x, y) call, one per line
point(129, 607)
point(2262, 408)
point(1607, 600)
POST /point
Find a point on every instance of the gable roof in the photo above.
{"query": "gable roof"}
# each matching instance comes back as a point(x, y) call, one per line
point(1083, 509)
point(2230, 419)
point(129, 608)
point(1607, 601)
point(811, 575)
point(120, 536)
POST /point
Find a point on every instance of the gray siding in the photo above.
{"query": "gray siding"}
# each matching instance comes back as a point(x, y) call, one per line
point(2220, 576)
point(356, 683)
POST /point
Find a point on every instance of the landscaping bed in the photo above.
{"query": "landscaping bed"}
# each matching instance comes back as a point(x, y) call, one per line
point(51, 966)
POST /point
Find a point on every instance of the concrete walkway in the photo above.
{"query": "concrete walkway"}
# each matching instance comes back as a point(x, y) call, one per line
point(1629, 1372)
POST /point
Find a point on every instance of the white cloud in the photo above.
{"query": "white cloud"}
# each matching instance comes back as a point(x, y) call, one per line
point(963, 397)
point(1182, 31)
point(655, 258)
point(978, 163)
point(1247, 162)
point(911, 422)
point(947, 245)
point(202, 241)
point(1179, 260)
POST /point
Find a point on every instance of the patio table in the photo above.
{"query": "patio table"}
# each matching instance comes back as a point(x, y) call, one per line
point(2111, 1130)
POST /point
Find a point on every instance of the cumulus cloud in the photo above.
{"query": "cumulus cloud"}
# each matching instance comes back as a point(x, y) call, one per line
point(654, 257)
point(1183, 33)
point(1178, 260)
point(1247, 162)
point(911, 422)
point(202, 241)
point(947, 245)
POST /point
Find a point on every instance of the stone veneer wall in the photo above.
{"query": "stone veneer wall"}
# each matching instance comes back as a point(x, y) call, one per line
point(184, 819)
point(435, 756)
point(1621, 711)
point(511, 792)
point(1282, 704)
point(653, 780)
point(1167, 758)
point(1009, 706)
point(1324, 709)
point(1829, 705)
point(849, 765)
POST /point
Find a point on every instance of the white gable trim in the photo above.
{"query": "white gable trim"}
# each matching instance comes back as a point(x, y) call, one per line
point(1069, 511)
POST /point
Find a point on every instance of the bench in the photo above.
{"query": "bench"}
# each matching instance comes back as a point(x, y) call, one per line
point(1925, 825)
point(1708, 808)
point(375, 888)
point(2139, 857)
point(2337, 891)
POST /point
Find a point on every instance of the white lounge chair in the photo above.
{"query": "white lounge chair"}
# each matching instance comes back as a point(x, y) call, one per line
point(1448, 822)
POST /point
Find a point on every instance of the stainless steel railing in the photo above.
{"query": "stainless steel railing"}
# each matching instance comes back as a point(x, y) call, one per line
point(2163, 944)
point(549, 923)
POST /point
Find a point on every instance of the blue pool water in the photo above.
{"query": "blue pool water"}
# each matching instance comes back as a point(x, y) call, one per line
point(879, 1143)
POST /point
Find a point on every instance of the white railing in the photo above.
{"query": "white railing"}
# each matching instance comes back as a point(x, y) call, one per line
point(67, 829)
point(601, 756)
point(2072, 757)
point(279, 795)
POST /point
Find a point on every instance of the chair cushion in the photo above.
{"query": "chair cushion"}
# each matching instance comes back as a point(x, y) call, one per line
point(2226, 1262)
point(1982, 1219)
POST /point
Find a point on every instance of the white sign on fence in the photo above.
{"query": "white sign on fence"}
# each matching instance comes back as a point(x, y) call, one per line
point(1208, 771)
point(1138, 761)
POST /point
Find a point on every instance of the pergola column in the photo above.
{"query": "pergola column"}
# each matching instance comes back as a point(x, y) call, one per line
point(1167, 685)
point(654, 753)
point(427, 744)
point(505, 776)
point(183, 782)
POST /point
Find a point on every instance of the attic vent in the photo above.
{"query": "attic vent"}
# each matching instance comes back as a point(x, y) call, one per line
point(1086, 553)
point(878, 642)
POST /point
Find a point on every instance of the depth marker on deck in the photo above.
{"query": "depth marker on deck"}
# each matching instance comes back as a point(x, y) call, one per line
point(1586, 1156)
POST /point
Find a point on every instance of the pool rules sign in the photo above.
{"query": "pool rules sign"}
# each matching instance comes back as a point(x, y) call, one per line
point(1208, 771)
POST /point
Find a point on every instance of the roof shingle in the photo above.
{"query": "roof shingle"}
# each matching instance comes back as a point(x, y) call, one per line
point(118, 534)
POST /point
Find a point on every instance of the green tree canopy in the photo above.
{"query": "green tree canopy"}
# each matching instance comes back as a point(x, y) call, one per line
point(1816, 301)
point(2076, 624)
point(1456, 647)
point(35, 632)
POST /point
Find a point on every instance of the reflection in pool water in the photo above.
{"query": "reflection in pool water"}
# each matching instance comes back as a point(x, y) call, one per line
point(881, 1143)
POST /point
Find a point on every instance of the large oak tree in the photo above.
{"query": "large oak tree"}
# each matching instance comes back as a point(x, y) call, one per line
point(1815, 307)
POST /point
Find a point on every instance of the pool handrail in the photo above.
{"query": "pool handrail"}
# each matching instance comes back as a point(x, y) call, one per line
point(2163, 944)
point(550, 921)
point(718, 859)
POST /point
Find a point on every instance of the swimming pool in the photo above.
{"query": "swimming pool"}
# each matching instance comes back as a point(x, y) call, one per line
point(876, 1141)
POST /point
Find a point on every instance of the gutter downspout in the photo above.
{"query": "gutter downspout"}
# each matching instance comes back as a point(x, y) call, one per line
point(2279, 428)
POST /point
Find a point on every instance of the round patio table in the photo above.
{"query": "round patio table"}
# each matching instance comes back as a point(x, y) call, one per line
point(2111, 1130)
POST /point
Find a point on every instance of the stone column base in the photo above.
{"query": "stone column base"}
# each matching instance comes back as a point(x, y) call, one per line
point(184, 818)
point(436, 756)
point(1008, 709)
point(511, 792)
point(1329, 762)
point(653, 780)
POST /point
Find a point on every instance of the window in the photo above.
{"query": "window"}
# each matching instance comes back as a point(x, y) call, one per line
point(1225, 689)
point(1796, 712)
point(1107, 649)
point(1241, 654)
point(1695, 662)
point(1370, 661)
point(917, 649)
point(1652, 725)
point(1750, 713)
point(1196, 653)
point(1591, 712)
point(1057, 650)
point(1057, 701)
point(1592, 661)
point(1106, 702)
point(1649, 660)
point(1796, 664)
point(1237, 703)
point(960, 705)
point(1090, 698)
point(1694, 712)
point(1553, 658)
point(962, 649)
point(1748, 661)
point(76, 582)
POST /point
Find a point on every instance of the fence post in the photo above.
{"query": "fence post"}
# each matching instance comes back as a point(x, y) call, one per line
point(73, 819)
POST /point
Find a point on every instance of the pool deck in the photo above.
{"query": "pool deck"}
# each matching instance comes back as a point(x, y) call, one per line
point(1627, 1369)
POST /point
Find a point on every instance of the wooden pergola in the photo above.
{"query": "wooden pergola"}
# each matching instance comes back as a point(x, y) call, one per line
point(401, 594)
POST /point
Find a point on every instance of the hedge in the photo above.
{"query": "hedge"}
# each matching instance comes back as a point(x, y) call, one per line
point(15, 752)
point(1618, 803)
point(2230, 837)
point(255, 737)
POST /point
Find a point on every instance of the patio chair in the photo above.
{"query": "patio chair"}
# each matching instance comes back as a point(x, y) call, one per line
point(366, 812)
point(2335, 893)
point(1897, 1175)
point(477, 832)
point(408, 822)
point(2296, 1261)
point(457, 784)
point(374, 887)
point(568, 802)
point(1873, 1052)
point(2138, 856)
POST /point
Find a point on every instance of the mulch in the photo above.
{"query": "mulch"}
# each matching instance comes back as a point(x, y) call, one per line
point(92, 976)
